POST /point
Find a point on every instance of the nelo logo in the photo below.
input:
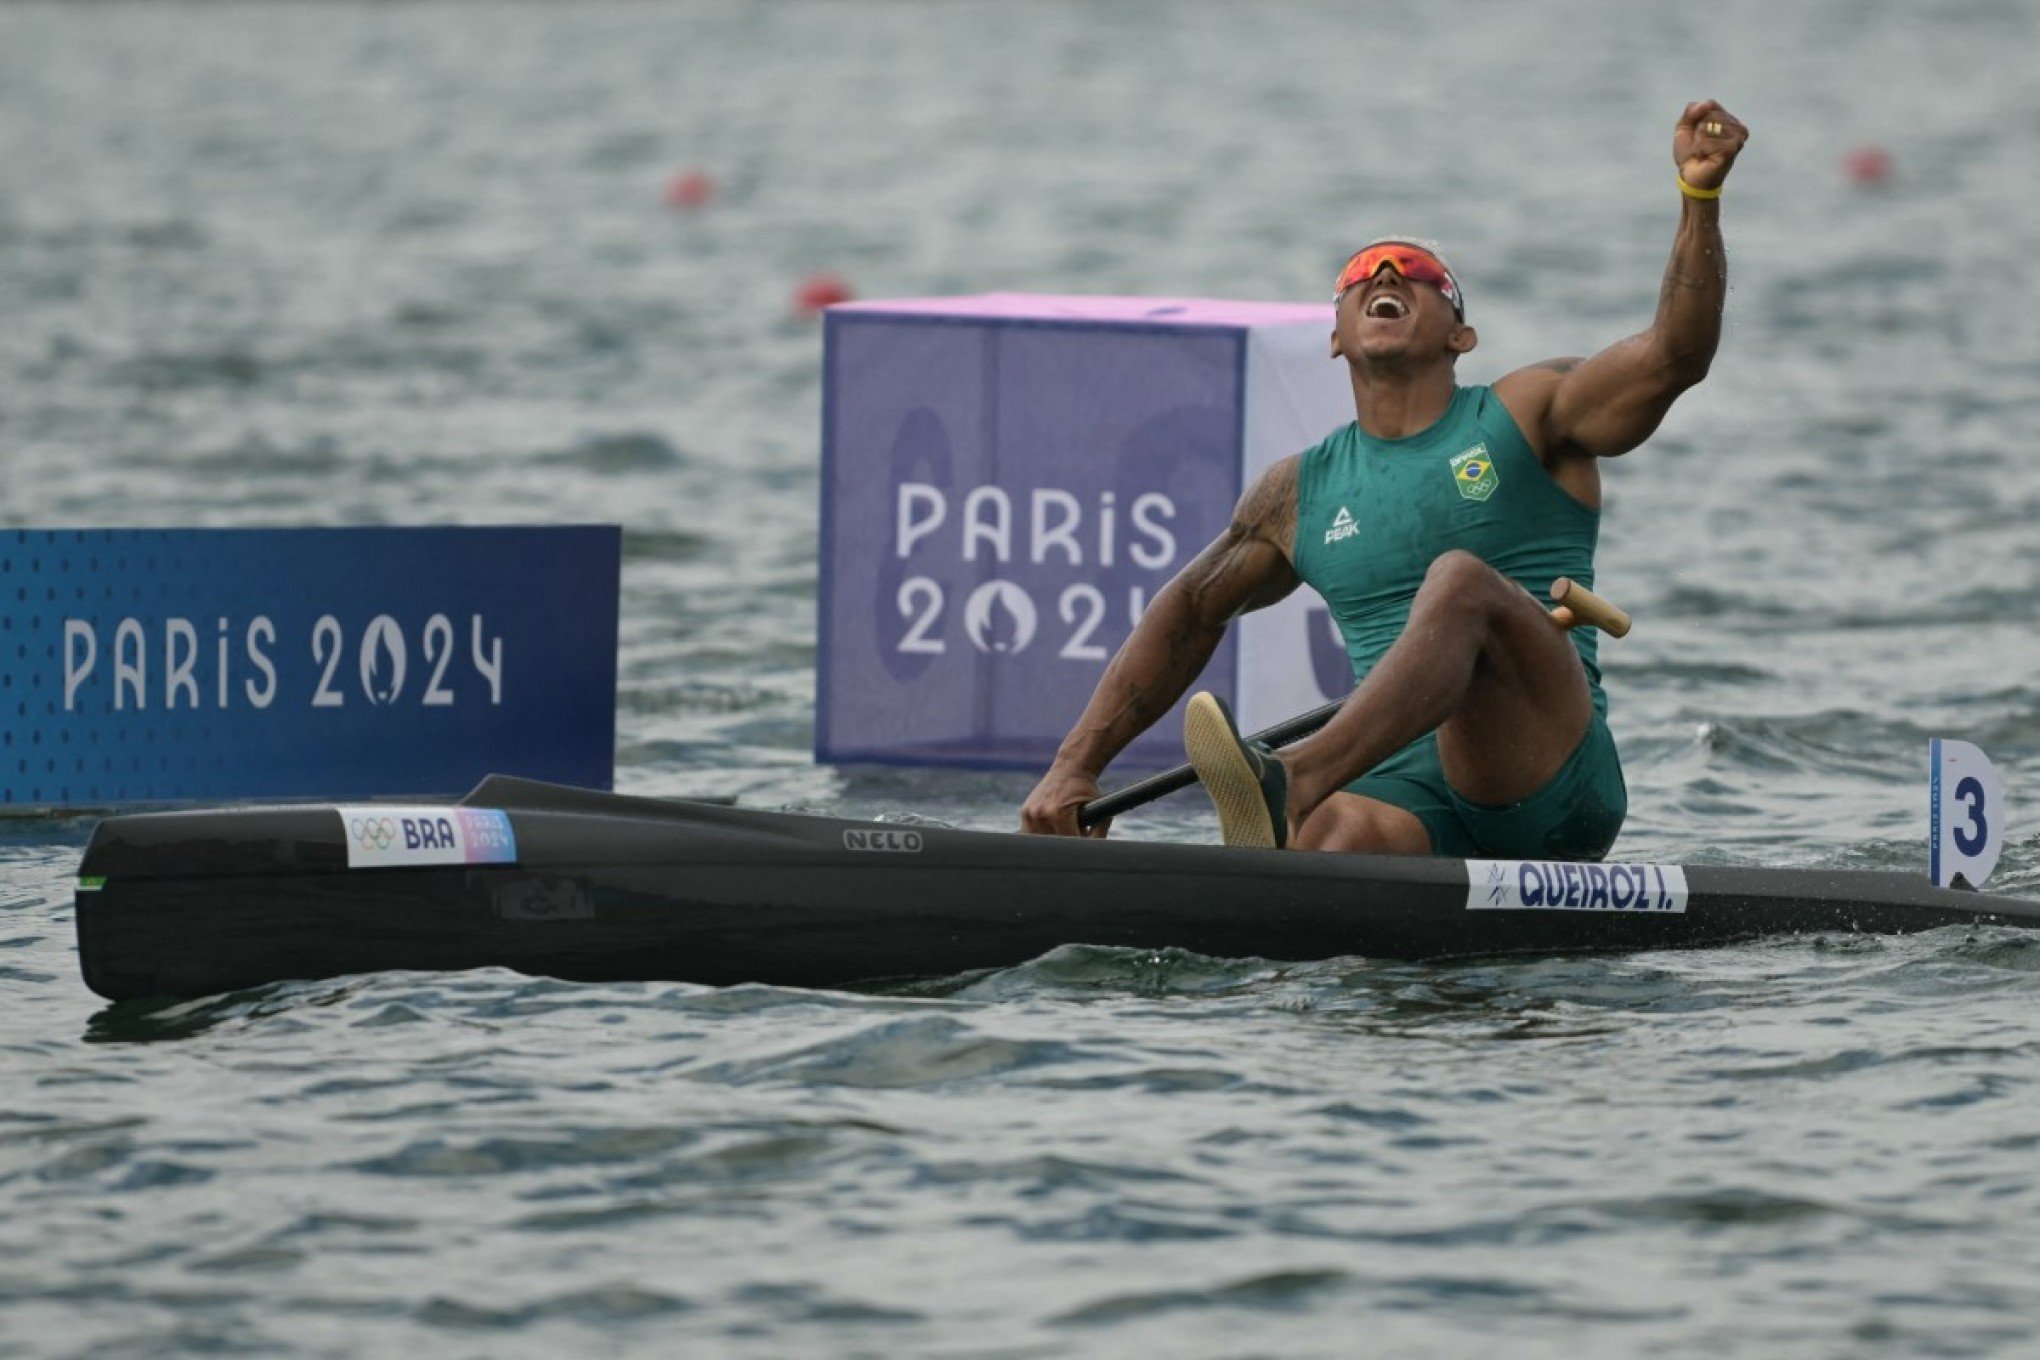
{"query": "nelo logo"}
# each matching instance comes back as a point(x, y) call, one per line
point(902, 842)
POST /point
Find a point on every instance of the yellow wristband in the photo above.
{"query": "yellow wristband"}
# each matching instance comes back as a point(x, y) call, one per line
point(1690, 192)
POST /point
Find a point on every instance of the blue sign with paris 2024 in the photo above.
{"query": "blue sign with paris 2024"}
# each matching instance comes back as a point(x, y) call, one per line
point(148, 665)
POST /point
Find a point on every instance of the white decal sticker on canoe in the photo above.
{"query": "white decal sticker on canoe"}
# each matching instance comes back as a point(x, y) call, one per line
point(380, 835)
point(1552, 885)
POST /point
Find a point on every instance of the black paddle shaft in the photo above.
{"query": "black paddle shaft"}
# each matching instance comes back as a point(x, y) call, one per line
point(1168, 781)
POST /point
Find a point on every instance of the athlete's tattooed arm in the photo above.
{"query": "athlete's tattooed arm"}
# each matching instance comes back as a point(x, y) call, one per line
point(1246, 567)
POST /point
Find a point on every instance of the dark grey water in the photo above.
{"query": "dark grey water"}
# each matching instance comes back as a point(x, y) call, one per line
point(410, 264)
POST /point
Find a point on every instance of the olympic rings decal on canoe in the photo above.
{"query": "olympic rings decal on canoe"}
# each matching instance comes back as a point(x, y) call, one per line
point(373, 833)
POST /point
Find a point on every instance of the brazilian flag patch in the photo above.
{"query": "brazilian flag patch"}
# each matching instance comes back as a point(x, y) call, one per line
point(1473, 472)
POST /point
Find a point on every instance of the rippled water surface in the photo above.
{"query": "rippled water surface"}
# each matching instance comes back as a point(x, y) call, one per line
point(325, 264)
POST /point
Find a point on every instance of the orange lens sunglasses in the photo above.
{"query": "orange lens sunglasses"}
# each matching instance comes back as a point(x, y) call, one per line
point(1412, 262)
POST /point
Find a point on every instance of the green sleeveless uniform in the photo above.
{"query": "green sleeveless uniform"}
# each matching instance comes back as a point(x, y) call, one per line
point(1371, 517)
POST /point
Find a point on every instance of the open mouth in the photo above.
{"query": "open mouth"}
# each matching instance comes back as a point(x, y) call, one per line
point(1386, 306)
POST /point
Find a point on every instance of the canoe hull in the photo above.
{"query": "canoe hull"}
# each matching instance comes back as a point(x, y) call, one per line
point(609, 888)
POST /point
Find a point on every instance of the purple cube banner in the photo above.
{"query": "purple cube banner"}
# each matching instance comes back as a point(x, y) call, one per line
point(1002, 496)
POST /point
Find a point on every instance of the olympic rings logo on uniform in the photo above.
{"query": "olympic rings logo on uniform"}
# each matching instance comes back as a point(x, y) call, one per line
point(373, 833)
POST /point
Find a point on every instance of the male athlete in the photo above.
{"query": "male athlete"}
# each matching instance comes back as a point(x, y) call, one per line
point(1432, 525)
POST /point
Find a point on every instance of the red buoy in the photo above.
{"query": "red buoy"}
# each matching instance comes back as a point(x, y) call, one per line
point(821, 289)
point(690, 189)
point(1867, 166)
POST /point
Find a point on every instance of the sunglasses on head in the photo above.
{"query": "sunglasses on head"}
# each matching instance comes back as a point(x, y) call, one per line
point(1412, 262)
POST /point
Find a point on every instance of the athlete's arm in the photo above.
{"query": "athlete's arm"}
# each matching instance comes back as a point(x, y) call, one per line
point(1247, 567)
point(1610, 403)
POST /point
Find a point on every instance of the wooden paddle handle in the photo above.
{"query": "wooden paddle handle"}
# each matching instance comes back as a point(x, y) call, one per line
point(1587, 607)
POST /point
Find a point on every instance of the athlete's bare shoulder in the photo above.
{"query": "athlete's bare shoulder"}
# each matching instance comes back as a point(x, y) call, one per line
point(1538, 377)
point(1526, 395)
point(1267, 511)
point(1249, 565)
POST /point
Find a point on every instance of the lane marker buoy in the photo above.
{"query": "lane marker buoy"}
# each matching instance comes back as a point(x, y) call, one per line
point(821, 289)
point(1867, 166)
point(690, 189)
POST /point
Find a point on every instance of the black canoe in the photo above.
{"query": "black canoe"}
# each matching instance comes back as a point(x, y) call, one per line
point(603, 887)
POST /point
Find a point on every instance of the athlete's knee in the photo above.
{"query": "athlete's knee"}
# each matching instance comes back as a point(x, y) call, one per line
point(1459, 568)
point(1459, 581)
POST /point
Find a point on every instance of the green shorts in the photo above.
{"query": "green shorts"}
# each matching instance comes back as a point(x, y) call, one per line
point(1575, 816)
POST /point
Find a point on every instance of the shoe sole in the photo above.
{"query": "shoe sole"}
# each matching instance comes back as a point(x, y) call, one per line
point(1228, 776)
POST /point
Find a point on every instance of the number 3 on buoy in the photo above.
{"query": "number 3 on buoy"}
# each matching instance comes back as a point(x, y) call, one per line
point(1968, 826)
